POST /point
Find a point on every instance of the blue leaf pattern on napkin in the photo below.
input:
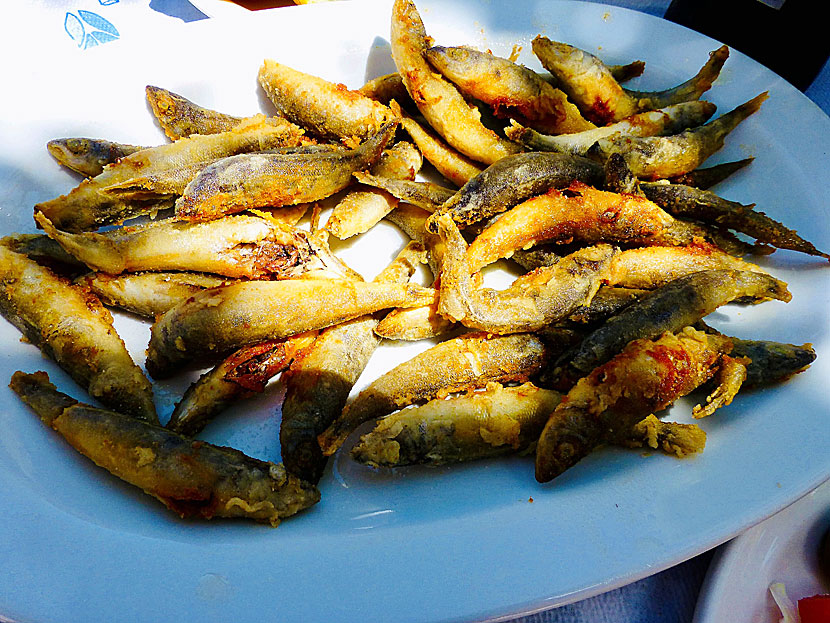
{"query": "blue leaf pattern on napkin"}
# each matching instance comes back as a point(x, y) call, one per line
point(96, 21)
point(74, 28)
point(101, 30)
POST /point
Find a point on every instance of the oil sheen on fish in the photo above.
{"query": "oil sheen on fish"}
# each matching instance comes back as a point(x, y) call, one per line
point(215, 322)
point(194, 479)
point(275, 179)
point(70, 326)
point(465, 362)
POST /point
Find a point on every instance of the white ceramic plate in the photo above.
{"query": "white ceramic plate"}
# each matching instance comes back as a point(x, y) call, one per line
point(471, 542)
point(783, 548)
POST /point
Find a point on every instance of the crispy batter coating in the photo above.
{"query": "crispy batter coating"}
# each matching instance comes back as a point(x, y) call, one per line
point(645, 377)
point(444, 108)
point(72, 327)
point(468, 361)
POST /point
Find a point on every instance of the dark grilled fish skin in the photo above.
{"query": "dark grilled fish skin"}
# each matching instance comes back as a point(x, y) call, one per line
point(192, 478)
point(74, 329)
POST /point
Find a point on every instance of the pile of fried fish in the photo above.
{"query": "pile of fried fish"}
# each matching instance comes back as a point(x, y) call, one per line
point(594, 190)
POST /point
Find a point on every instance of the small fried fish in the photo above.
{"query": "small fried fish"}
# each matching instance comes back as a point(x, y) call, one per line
point(327, 109)
point(318, 383)
point(194, 479)
point(215, 322)
point(498, 420)
point(661, 157)
point(277, 178)
point(534, 300)
point(704, 205)
point(512, 90)
point(602, 100)
point(88, 156)
point(645, 377)
point(180, 118)
point(679, 303)
point(362, 208)
point(512, 180)
point(669, 120)
point(465, 362)
point(578, 212)
point(147, 294)
point(239, 245)
point(245, 373)
point(73, 328)
point(439, 101)
point(151, 178)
